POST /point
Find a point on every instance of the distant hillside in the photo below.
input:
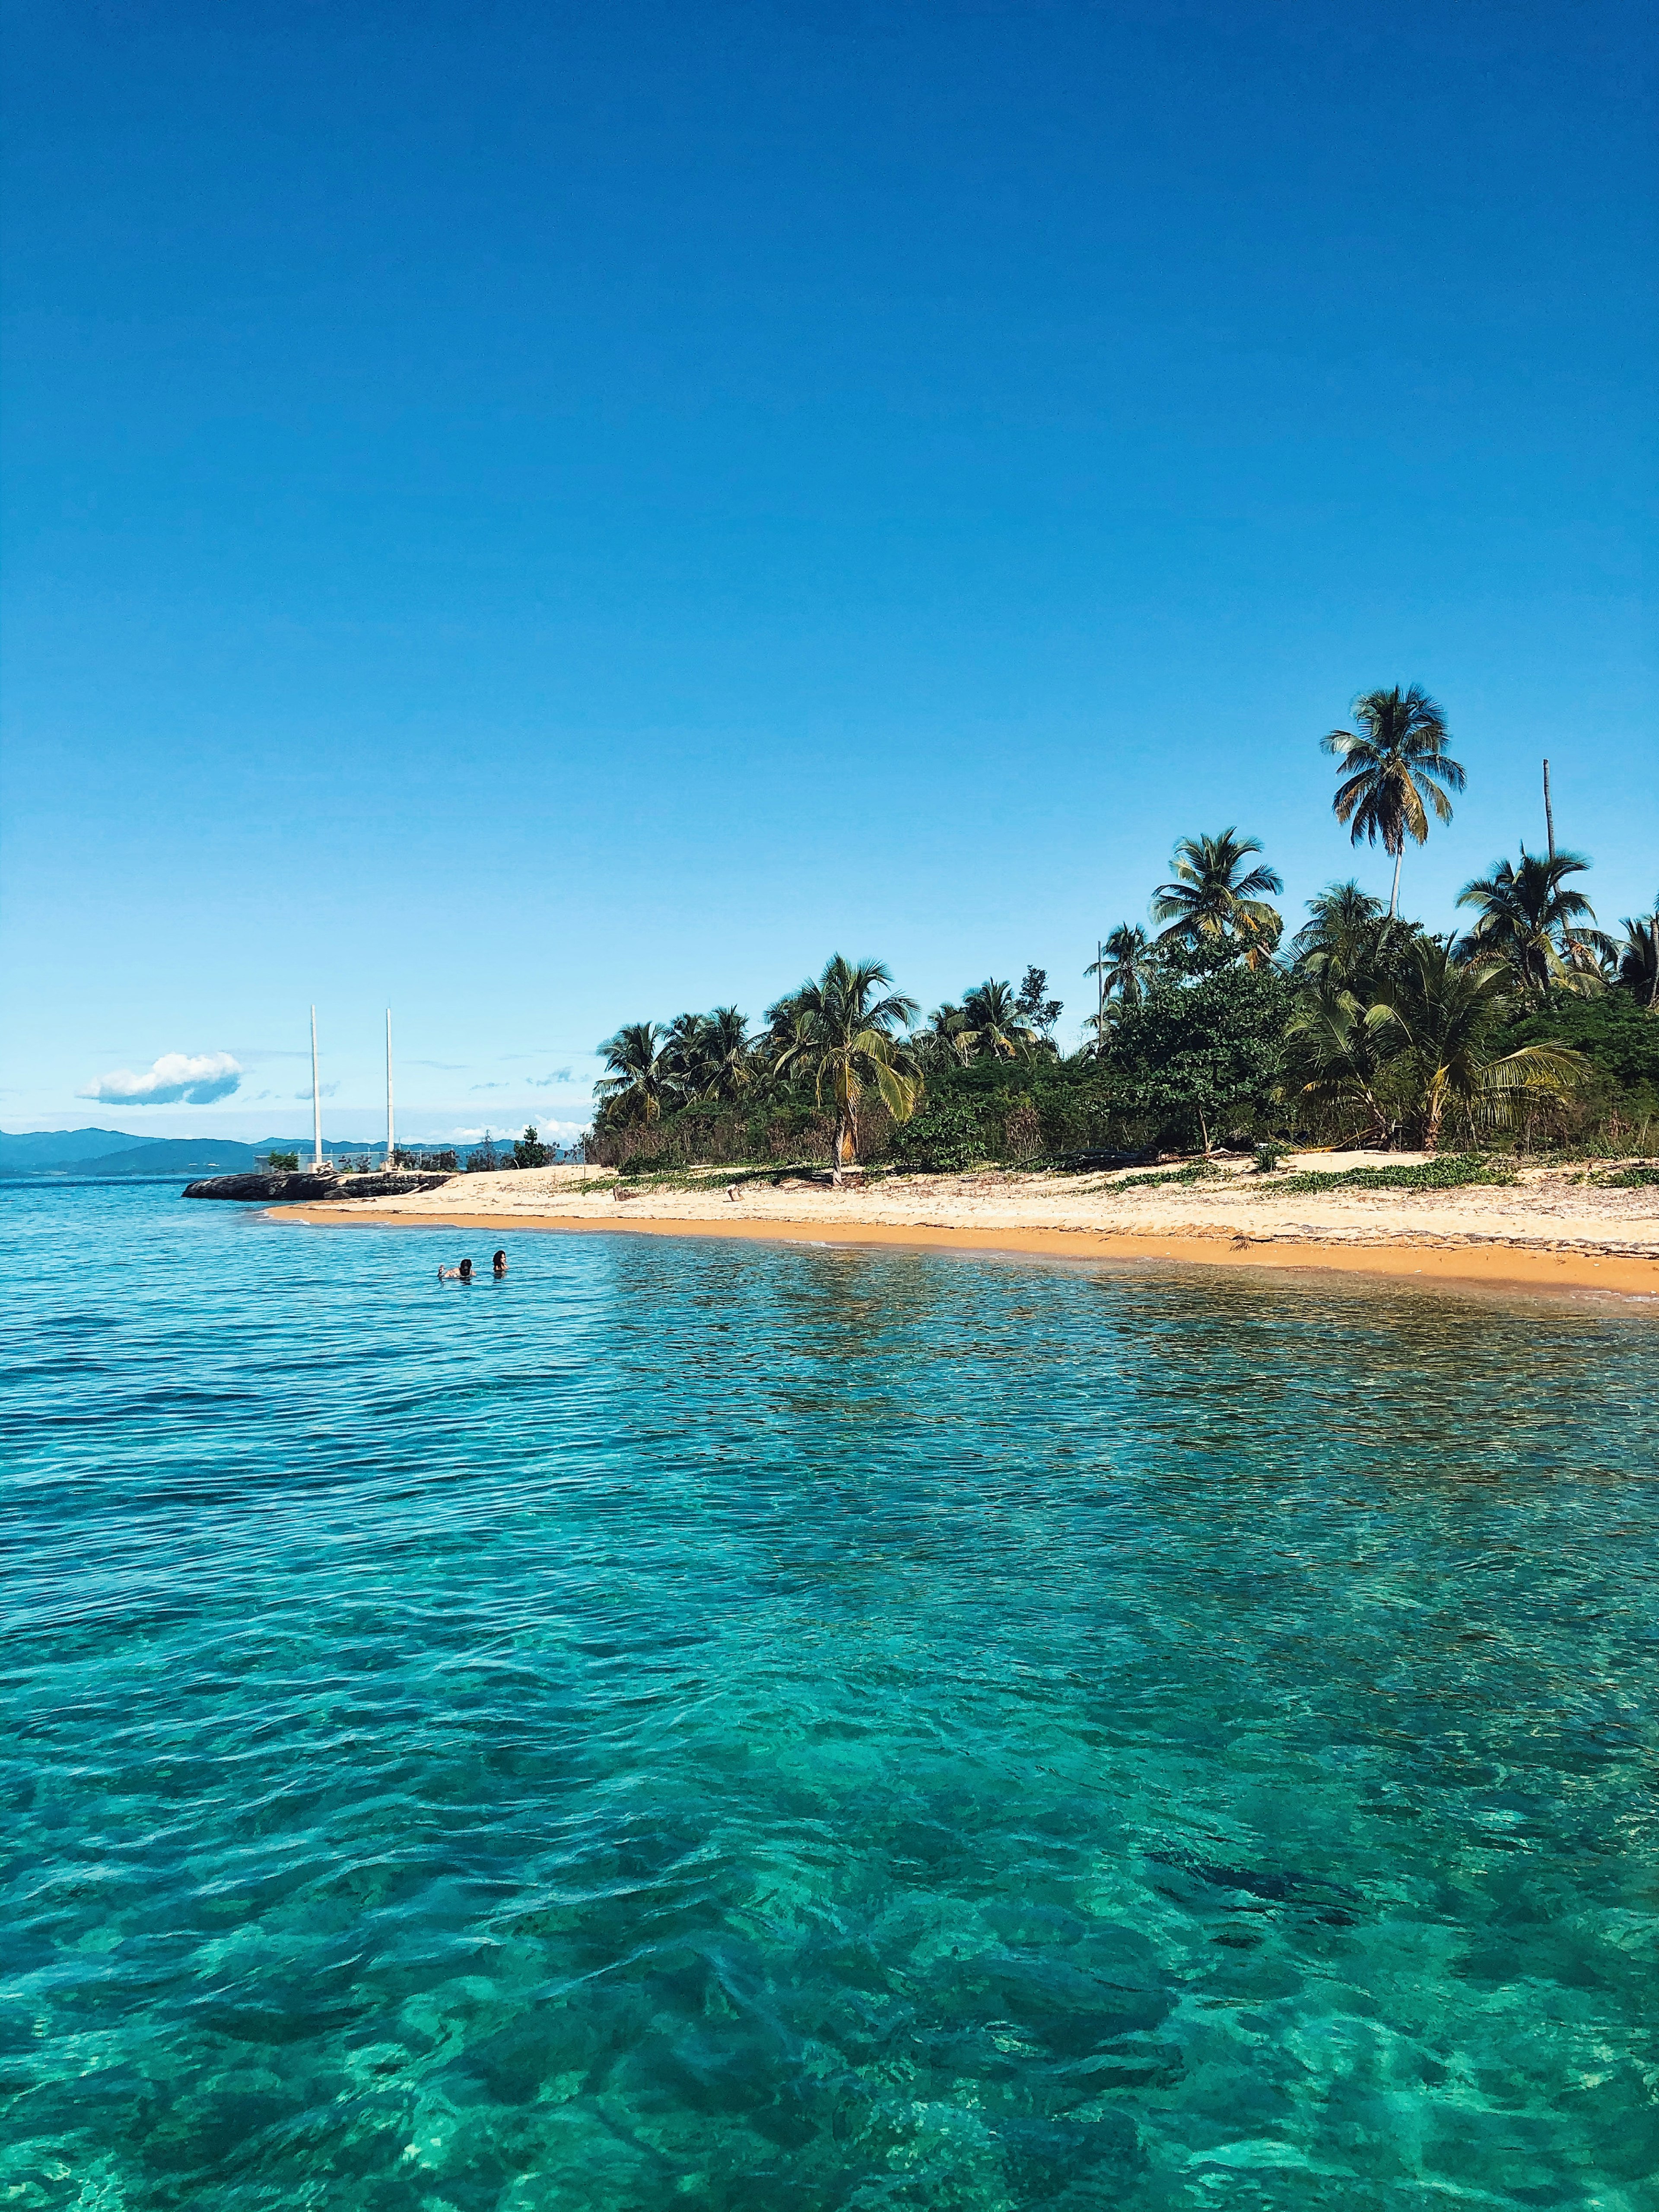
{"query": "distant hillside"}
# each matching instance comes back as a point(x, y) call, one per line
point(38, 1148)
point(169, 1156)
point(115, 1153)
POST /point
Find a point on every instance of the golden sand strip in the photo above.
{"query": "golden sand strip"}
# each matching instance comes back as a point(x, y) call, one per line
point(1572, 1268)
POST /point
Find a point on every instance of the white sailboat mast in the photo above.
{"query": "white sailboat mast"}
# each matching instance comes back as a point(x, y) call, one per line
point(316, 1102)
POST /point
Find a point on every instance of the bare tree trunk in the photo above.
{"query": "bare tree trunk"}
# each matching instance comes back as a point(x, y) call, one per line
point(1394, 895)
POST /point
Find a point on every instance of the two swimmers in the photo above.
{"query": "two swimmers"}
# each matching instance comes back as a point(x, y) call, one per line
point(464, 1273)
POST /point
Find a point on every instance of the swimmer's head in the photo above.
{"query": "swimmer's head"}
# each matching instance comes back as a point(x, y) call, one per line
point(498, 1260)
point(466, 1269)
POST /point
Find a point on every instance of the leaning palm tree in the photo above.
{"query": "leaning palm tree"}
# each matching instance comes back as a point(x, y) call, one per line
point(1395, 761)
point(1445, 1012)
point(1639, 956)
point(641, 1071)
point(991, 1020)
point(1215, 905)
point(1532, 919)
point(845, 1040)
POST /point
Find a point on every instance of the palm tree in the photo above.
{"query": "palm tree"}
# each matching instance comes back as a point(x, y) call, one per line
point(786, 1025)
point(1529, 918)
point(1395, 762)
point(1211, 907)
point(844, 1039)
point(1126, 963)
point(1639, 956)
point(641, 1074)
point(712, 1053)
point(1338, 1048)
point(991, 1019)
point(945, 1036)
point(1348, 940)
point(681, 1042)
point(1445, 1011)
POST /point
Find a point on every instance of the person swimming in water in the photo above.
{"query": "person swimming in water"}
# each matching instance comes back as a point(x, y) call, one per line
point(499, 1263)
point(461, 1274)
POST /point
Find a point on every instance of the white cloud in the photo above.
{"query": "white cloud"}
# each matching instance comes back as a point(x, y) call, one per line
point(547, 1082)
point(561, 1132)
point(188, 1079)
point(324, 1090)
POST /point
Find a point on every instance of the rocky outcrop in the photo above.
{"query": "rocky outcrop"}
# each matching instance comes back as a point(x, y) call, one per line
point(308, 1186)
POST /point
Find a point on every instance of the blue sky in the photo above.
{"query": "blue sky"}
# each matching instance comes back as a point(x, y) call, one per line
point(550, 515)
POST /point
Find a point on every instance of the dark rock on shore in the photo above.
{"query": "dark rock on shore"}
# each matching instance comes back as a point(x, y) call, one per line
point(293, 1187)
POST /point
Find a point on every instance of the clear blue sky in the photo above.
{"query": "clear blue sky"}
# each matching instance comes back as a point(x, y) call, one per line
point(550, 514)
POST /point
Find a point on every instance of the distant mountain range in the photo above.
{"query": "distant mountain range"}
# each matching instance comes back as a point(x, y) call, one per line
point(117, 1153)
point(57, 1147)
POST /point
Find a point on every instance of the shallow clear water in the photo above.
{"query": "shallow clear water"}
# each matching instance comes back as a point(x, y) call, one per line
point(781, 1727)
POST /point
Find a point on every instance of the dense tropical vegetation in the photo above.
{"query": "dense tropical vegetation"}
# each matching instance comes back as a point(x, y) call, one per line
point(1533, 1028)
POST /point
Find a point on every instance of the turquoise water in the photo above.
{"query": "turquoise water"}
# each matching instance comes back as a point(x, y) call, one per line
point(773, 1729)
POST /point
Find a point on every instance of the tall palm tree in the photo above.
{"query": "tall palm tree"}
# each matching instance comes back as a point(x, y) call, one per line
point(845, 1040)
point(1445, 1012)
point(1395, 761)
point(1531, 919)
point(992, 1019)
point(641, 1071)
point(1639, 956)
point(1215, 905)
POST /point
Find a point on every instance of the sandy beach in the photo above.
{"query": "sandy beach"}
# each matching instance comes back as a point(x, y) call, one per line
point(1553, 1228)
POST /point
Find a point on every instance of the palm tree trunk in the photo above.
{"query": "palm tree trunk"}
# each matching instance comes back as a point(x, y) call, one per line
point(1436, 1103)
point(1394, 895)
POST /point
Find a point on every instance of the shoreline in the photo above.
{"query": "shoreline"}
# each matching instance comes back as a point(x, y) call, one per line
point(1491, 1262)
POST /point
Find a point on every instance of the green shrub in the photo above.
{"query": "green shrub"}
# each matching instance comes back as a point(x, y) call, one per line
point(946, 1136)
point(1200, 1057)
